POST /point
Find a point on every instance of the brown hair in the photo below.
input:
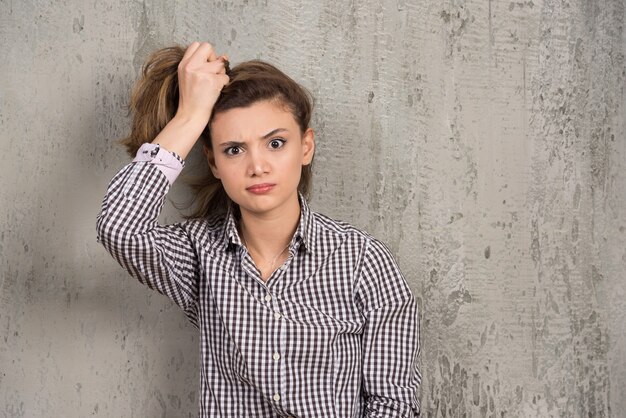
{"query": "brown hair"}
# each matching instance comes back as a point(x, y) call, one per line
point(154, 101)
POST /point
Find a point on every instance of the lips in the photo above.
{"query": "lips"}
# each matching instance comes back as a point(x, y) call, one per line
point(260, 188)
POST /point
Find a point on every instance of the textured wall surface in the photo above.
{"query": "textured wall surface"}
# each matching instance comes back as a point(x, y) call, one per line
point(483, 140)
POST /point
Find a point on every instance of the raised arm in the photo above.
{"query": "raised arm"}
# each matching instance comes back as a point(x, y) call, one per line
point(161, 257)
point(391, 345)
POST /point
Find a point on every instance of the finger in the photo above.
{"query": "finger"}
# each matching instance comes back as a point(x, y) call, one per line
point(190, 50)
point(226, 61)
point(223, 78)
point(216, 67)
point(204, 53)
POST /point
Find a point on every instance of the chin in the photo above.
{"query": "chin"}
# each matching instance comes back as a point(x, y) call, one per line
point(257, 204)
point(263, 203)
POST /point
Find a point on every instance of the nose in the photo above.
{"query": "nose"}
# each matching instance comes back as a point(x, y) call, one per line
point(257, 164)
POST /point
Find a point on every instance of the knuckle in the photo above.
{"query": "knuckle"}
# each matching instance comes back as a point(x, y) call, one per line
point(188, 71)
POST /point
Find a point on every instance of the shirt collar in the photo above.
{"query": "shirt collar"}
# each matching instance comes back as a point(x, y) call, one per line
point(305, 232)
point(306, 226)
point(231, 235)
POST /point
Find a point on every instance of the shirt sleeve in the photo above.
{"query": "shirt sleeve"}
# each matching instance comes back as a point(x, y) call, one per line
point(162, 257)
point(168, 162)
point(391, 341)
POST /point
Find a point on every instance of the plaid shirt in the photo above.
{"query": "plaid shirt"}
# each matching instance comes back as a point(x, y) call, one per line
point(334, 332)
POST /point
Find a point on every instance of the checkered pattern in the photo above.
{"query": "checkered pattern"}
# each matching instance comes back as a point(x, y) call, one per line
point(333, 333)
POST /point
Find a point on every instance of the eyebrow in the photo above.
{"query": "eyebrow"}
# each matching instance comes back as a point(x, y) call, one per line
point(266, 136)
point(275, 131)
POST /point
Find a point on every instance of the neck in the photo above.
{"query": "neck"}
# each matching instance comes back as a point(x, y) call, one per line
point(270, 233)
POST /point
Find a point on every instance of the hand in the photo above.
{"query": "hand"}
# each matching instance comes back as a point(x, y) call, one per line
point(201, 77)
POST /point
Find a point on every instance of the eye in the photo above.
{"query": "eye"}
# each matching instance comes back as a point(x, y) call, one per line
point(277, 143)
point(236, 150)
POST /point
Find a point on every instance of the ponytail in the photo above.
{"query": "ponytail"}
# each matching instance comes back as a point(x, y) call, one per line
point(154, 99)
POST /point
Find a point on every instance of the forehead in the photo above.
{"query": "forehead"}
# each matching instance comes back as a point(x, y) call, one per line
point(252, 121)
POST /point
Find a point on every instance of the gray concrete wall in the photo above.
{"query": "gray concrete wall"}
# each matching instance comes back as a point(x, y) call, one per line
point(483, 140)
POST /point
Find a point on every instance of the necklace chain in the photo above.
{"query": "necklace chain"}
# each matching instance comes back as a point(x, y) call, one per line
point(275, 258)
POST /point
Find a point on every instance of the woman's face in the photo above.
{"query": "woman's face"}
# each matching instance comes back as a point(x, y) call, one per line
point(258, 154)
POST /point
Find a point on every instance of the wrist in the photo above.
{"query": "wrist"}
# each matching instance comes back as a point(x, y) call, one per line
point(180, 134)
point(190, 120)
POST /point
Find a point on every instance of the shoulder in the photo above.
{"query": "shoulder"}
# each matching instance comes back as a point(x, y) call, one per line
point(209, 231)
point(328, 226)
point(379, 279)
point(342, 229)
point(212, 223)
point(374, 254)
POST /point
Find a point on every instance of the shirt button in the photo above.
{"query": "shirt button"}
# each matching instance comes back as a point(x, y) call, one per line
point(268, 297)
point(276, 356)
point(277, 315)
point(276, 397)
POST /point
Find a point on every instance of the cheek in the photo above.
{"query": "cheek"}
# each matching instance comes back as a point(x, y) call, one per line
point(295, 166)
point(290, 160)
point(218, 161)
point(226, 163)
point(225, 168)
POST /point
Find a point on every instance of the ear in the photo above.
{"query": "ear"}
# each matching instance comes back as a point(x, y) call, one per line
point(308, 146)
point(210, 157)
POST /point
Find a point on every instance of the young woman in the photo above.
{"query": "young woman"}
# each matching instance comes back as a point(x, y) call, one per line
point(299, 315)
